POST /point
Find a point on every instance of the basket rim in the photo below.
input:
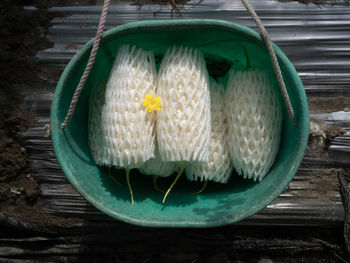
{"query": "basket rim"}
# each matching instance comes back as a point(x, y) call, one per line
point(303, 122)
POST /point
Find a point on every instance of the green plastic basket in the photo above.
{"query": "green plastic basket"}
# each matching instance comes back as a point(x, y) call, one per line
point(222, 43)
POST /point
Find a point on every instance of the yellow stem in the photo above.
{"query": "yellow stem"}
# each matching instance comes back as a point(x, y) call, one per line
point(128, 181)
point(154, 177)
point(339, 257)
point(202, 189)
point(172, 185)
point(110, 175)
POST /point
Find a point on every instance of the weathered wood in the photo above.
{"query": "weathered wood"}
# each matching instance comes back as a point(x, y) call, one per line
point(344, 178)
point(121, 243)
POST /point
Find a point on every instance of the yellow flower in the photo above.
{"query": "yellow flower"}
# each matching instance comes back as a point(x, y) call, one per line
point(152, 102)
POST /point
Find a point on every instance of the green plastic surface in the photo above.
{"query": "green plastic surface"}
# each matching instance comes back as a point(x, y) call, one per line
point(222, 43)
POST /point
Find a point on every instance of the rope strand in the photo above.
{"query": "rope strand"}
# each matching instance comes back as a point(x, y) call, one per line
point(88, 66)
point(272, 54)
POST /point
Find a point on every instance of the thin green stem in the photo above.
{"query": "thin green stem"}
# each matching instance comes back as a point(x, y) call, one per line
point(174, 182)
point(339, 257)
point(113, 179)
point(155, 185)
point(202, 189)
point(128, 182)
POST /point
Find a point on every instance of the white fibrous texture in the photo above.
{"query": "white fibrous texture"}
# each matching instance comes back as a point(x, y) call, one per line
point(155, 166)
point(254, 115)
point(183, 123)
point(128, 127)
point(218, 168)
point(96, 138)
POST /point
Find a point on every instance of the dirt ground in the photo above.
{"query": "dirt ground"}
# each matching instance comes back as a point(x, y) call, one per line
point(21, 36)
point(325, 105)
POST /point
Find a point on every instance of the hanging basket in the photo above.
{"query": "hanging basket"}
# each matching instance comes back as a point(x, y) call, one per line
point(224, 44)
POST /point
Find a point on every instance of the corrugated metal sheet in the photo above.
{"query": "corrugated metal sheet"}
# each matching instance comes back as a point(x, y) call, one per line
point(315, 38)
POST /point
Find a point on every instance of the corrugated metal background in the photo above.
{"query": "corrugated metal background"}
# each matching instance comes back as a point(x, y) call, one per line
point(315, 38)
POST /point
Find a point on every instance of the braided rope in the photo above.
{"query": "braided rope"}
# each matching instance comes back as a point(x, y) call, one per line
point(272, 54)
point(88, 66)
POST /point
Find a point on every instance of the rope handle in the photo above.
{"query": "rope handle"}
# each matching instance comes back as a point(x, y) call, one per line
point(89, 65)
point(272, 54)
point(97, 41)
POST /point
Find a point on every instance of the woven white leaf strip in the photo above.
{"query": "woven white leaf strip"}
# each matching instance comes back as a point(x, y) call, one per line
point(155, 166)
point(96, 139)
point(254, 115)
point(128, 128)
point(183, 123)
point(219, 167)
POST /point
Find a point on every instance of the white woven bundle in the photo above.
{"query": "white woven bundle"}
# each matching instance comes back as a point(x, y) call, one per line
point(96, 139)
point(218, 168)
point(183, 124)
point(155, 166)
point(254, 114)
point(128, 127)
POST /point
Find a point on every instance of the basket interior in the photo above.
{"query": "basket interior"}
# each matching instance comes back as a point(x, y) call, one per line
point(223, 47)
